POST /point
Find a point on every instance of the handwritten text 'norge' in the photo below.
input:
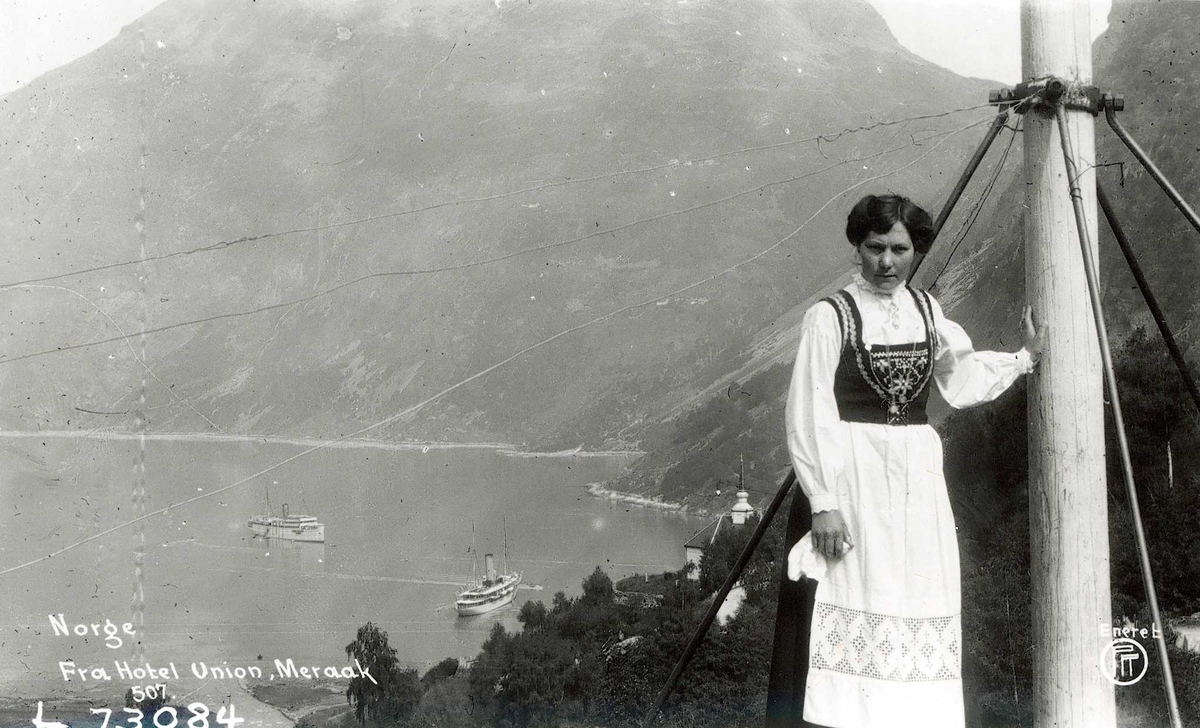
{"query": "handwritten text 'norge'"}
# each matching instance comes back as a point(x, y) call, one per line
point(110, 631)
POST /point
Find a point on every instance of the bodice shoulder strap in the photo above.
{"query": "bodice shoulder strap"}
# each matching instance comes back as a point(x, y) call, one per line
point(847, 314)
point(925, 305)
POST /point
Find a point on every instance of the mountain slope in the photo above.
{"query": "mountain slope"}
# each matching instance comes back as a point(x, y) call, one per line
point(983, 287)
point(540, 223)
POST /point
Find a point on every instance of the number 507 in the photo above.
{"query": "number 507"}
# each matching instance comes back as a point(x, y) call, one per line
point(149, 692)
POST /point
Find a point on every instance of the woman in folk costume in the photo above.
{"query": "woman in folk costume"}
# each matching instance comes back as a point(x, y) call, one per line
point(868, 629)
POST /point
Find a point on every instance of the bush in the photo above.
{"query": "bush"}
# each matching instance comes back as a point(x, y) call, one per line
point(439, 672)
point(446, 704)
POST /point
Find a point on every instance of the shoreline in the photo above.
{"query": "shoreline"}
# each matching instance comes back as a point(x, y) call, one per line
point(578, 452)
point(599, 491)
point(502, 448)
point(299, 700)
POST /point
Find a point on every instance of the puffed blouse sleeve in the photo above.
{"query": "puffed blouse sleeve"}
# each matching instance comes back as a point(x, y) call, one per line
point(967, 377)
point(814, 429)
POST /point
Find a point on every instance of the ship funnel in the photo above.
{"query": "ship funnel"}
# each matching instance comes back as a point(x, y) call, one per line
point(490, 566)
point(285, 512)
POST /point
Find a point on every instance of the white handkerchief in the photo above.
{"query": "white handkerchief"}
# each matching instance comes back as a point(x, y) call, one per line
point(803, 560)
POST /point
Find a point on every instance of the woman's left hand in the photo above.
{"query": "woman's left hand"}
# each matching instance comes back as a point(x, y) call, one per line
point(1035, 338)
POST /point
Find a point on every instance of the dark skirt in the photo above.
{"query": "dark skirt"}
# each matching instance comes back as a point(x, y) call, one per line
point(793, 622)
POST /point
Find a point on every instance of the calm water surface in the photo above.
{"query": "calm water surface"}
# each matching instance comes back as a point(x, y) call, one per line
point(398, 528)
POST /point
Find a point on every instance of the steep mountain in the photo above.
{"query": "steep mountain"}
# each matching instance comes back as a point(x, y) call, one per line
point(1147, 55)
point(548, 224)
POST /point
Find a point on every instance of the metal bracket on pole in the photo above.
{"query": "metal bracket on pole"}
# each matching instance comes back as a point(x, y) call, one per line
point(1051, 92)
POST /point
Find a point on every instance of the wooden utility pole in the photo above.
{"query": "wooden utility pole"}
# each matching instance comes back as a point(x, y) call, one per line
point(1068, 519)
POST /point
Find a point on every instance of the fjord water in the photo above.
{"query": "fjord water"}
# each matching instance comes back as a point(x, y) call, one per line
point(398, 528)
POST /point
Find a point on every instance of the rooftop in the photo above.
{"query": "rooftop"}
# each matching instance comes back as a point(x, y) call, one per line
point(705, 536)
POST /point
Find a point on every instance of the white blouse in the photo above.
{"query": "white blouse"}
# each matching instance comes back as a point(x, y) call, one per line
point(965, 378)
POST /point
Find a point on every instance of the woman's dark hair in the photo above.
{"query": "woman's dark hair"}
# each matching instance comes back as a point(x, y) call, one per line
point(879, 213)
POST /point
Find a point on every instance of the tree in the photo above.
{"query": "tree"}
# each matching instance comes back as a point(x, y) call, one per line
point(534, 683)
point(760, 578)
point(533, 615)
point(393, 692)
point(446, 704)
point(490, 667)
point(1157, 411)
point(597, 588)
point(439, 672)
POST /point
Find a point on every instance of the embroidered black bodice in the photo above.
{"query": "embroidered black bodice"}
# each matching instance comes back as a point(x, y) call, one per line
point(880, 383)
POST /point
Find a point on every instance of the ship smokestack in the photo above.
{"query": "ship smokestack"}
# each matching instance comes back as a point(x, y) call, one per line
point(285, 511)
point(490, 566)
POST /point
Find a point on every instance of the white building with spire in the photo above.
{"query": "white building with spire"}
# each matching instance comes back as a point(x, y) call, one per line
point(737, 516)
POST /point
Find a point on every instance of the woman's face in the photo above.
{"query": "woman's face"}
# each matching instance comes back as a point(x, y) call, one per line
point(886, 259)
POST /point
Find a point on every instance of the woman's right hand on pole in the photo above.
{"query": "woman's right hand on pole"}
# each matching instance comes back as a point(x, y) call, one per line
point(830, 535)
point(1035, 337)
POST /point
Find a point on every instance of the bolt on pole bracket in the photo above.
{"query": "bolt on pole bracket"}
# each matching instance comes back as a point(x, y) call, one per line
point(1054, 91)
